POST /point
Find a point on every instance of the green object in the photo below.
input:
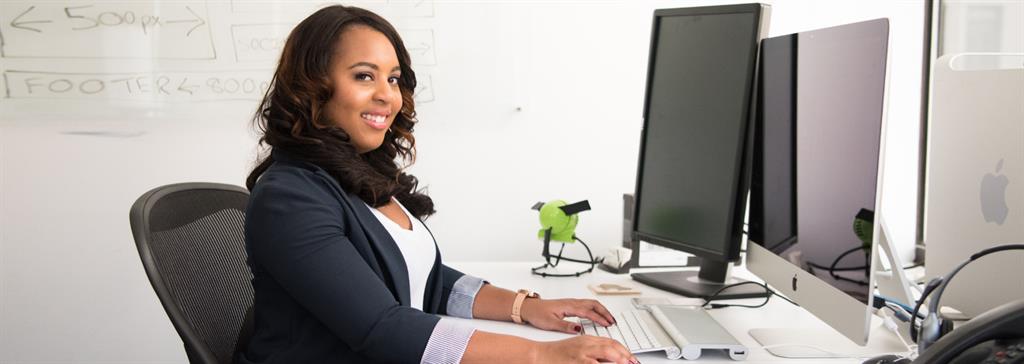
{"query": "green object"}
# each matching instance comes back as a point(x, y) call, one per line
point(562, 225)
point(863, 227)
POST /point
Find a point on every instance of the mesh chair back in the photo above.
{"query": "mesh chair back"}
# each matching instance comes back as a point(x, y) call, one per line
point(192, 244)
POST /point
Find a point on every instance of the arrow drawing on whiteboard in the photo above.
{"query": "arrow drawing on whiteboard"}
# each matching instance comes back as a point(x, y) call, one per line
point(20, 24)
point(197, 19)
point(190, 89)
point(421, 48)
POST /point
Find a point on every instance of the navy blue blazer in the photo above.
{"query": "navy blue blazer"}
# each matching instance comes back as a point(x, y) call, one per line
point(330, 284)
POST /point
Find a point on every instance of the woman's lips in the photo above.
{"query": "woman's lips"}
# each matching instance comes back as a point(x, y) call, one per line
point(376, 121)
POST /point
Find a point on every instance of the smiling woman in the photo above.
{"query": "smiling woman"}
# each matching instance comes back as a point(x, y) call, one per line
point(344, 269)
point(342, 68)
point(367, 96)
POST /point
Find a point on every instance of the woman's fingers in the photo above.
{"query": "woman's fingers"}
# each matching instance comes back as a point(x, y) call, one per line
point(569, 327)
point(589, 314)
point(600, 309)
point(613, 351)
point(593, 311)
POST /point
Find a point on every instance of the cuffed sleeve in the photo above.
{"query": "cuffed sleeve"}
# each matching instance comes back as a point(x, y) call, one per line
point(447, 343)
point(460, 301)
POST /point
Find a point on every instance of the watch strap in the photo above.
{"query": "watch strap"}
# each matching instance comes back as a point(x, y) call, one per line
point(517, 305)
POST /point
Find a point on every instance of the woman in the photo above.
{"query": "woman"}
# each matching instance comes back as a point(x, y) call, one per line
point(344, 271)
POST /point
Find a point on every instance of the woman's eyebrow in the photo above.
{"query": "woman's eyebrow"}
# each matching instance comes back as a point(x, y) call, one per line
point(373, 66)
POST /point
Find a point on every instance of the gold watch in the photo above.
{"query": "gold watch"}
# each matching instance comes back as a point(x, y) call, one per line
point(517, 305)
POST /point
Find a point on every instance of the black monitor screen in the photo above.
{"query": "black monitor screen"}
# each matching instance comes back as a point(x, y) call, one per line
point(817, 151)
point(696, 121)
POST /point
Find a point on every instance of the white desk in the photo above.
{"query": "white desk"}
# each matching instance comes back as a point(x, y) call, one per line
point(515, 275)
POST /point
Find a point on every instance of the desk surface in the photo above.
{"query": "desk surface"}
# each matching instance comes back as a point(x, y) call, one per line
point(514, 275)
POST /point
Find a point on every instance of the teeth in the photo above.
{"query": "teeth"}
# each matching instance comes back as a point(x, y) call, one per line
point(374, 118)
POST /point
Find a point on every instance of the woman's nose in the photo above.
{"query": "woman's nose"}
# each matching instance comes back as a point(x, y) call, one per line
point(385, 92)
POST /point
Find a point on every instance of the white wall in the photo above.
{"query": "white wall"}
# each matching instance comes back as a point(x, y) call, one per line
point(529, 101)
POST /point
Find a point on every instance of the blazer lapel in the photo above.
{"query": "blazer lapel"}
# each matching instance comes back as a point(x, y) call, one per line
point(389, 252)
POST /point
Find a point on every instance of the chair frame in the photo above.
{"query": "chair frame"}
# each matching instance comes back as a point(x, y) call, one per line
point(195, 347)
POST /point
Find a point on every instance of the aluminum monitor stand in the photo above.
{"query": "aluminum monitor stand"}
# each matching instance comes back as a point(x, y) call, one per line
point(827, 343)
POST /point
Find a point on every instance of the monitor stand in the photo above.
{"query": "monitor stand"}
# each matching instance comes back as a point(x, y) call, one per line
point(808, 343)
point(712, 276)
point(827, 343)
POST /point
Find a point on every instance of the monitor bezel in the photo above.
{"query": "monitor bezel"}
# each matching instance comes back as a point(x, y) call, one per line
point(742, 173)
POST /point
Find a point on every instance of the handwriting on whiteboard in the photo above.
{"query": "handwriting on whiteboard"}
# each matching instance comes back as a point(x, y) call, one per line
point(154, 86)
point(51, 29)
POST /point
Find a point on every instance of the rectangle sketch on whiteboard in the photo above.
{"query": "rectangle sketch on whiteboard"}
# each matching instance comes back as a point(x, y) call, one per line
point(259, 42)
point(141, 86)
point(420, 44)
point(398, 8)
point(106, 30)
point(424, 88)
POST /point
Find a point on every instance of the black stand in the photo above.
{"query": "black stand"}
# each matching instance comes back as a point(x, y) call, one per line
point(712, 276)
point(546, 253)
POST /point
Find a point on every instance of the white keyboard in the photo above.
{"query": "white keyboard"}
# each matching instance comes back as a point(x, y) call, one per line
point(632, 329)
point(681, 331)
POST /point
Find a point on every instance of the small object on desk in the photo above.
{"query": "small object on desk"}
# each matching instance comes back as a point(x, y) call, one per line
point(612, 289)
point(558, 223)
point(617, 260)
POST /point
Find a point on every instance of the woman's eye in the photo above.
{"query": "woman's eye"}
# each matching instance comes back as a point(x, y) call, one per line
point(364, 77)
point(393, 80)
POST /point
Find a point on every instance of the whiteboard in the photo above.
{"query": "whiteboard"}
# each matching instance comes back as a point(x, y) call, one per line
point(519, 101)
point(175, 51)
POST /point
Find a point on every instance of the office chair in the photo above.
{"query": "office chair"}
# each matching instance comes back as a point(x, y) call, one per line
point(192, 244)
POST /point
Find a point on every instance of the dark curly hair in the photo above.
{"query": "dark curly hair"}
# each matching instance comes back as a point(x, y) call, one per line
point(292, 115)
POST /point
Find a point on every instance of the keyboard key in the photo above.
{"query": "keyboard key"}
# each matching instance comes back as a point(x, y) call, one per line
point(647, 329)
point(630, 334)
point(616, 331)
point(634, 325)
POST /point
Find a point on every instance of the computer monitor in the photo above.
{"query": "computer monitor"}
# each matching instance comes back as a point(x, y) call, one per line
point(974, 182)
point(817, 181)
point(693, 171)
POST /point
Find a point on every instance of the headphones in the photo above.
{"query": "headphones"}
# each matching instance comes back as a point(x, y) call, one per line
point(933, 327)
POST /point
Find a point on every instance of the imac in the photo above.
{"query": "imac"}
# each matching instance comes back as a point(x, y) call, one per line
point(693, 171)
point(816, 230)
point(974, 182)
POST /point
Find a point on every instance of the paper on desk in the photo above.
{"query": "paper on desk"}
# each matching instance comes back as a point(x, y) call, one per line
point(612, 289)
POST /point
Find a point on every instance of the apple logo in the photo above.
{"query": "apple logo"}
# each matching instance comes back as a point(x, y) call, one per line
point(993, 196)
point(794, 283)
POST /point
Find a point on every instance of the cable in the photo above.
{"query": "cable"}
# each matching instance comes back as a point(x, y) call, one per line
point(907, 308)
point(891, 325)
point(940, 283)
point(832, 268)
point(712, 306)
point(917, 308)
point(558, 258)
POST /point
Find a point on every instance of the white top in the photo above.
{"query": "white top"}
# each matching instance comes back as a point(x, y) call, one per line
point(418, 250)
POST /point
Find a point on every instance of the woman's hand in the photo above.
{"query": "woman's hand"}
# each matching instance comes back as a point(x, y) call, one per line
point(550, 314)
point(584, 349)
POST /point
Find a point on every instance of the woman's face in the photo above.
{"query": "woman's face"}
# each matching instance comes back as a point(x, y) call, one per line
point(366, 99)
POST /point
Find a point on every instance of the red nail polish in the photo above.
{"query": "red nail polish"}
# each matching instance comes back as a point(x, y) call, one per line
point(577, 328)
